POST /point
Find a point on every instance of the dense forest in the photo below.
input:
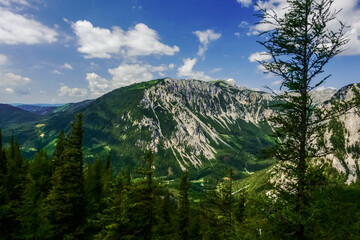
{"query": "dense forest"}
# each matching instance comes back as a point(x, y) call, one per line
point(60, 197)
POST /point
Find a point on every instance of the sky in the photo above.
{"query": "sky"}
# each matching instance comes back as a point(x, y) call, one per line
point(63, 51)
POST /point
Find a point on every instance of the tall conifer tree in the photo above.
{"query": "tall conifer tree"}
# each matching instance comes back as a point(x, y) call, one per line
point(184, 206)
point(66, 201)
point(300, 44)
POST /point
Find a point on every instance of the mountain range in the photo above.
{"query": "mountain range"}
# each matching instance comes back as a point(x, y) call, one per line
point(202, 127)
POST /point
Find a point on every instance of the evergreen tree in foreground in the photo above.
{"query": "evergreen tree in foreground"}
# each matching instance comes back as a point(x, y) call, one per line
point(300, 44)
point(66, 201)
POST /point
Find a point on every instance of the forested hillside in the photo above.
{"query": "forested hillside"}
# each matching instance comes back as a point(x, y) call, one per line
point(58, 197)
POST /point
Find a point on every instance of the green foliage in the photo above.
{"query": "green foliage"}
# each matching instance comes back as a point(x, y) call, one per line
point(13, 181)
point(66, 200)
point(139, 207)
point(33, 217)
point(184, 207)
point(298, 44)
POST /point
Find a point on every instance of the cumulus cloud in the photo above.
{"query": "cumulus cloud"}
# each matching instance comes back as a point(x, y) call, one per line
point(96, 42)
point(349, 14)
point(16, 84)
point(205, 37)
point(187, 71)
point(123, 75)
point(8, 3)
point(127, 74)
point(17, 29)
point(3, 59)
point(259, 56)
point(72, 92)
point(67, 66)
point(245, 3)
point(97, 84)
point(57, 72)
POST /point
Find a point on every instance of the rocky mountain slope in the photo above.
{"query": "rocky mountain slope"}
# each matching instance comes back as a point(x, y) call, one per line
point(199, 126)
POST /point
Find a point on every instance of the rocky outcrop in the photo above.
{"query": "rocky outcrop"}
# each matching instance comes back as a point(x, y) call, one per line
point(191, 105)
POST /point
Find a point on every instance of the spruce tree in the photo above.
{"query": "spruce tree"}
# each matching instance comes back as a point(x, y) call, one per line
point(144, 207)
point(66, 201)
point(300, 44)
point(14, 186)
point(184, 206)
point(94, 188)
point(3, 191)
point(164, 227)
point(58, 152)
point(33, 221)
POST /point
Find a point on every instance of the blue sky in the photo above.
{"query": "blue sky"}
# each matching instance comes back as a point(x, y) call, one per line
point(66, 51)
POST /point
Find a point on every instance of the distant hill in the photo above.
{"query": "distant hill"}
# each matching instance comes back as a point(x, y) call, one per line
point(38, 109)
point(10, 116)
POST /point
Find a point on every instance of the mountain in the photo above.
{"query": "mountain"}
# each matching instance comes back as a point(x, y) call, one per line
point(11, 116)
point(343, 135)
point(204, 127)
point(38, 109)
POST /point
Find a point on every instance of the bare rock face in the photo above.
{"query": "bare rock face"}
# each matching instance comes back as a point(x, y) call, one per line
point(200, 111)
point(345, 130)
point(192, 104)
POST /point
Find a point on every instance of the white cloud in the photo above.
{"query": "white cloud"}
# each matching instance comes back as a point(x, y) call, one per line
point(349, 14)
point(97, 84)
point(67, 66)
point(57, 72)
point(259, 56)
point(171, 66)
point(3, 59)
point(17, 29)
point(125, 74)
point(8, 3)
point(13, 83)
point(205, 37)
point(140, 40)
point(215, 70)
point(245, 3)
point(72, 92)
point(187, 71)
point(243, 24)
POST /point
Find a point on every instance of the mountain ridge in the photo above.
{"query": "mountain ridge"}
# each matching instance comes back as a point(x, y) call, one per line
point(190, 125)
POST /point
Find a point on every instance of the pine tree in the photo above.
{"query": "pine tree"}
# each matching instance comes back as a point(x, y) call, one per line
point(225, 205)
point(3, 167)
point(14, 185)
point(115, 222)
point(209, 210)
point(107, 174)
point(300, 44)
point(66, 201)
point(33, 222)
point(184, 206)
point(93, 186)
point(4, 198)
point(58, 152)
point(145, 199)
point(164, 227)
